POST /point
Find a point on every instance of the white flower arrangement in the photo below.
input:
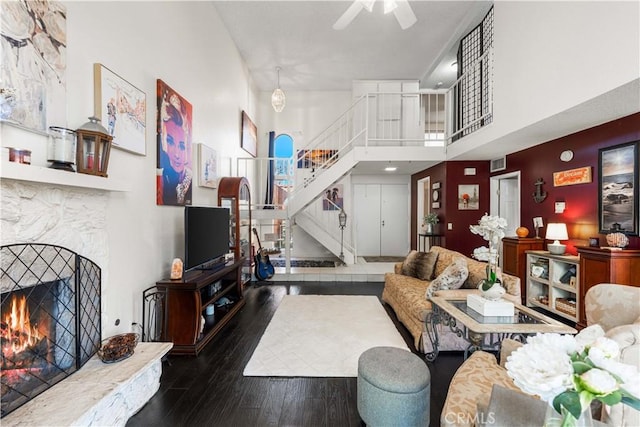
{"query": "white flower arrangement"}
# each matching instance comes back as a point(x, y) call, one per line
point(492, 229)
point(570, 372)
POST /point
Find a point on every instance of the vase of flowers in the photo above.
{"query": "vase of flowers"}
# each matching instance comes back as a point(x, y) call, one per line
point(430, 220)
point(569, 372)
point(492, 229)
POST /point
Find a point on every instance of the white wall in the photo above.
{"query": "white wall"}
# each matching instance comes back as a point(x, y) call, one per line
point(553, 56)
point(185, 45)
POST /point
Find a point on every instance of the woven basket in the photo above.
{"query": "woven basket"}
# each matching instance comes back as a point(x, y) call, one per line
point(118, 347)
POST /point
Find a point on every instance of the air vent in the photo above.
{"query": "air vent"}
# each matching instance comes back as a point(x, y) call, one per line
point(498, 164)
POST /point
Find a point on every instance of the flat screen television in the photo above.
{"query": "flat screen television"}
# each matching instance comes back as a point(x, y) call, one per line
point(206, 234)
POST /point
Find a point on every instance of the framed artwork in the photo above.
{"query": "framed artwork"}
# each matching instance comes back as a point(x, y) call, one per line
point(333, 199)
point(618, 189)
point(122, 109)
point(435, 205)
point(572, 177)
point(249, 137)
point(312, 159)
point(436, 185)
point(174, 173)
point(468, 198)
point(33, 58)
point(208, 174)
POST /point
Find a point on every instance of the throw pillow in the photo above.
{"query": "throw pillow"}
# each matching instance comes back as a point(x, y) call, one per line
point(452, 277)
point(420, 264)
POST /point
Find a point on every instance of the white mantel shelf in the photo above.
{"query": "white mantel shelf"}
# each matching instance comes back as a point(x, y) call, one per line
point(31, 173)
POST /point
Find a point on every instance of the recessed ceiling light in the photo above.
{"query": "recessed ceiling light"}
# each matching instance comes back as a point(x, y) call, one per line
point(390, 168)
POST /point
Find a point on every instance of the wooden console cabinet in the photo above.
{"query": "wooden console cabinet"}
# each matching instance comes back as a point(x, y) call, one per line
point(514, 258)
point(186, 322)
point(606, 266)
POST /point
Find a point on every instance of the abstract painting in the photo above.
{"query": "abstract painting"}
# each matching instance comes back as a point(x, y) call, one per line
point(33, 63)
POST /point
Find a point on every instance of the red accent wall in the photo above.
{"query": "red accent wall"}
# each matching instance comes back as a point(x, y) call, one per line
point(540, 161)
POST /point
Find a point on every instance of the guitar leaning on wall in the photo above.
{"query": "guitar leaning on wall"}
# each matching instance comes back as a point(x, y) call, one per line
point(264, 269)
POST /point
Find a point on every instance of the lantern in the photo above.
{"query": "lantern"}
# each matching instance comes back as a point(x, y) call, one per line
point(93, 148)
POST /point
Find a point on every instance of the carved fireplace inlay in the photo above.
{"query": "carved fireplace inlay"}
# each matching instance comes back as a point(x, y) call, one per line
point(49, 319)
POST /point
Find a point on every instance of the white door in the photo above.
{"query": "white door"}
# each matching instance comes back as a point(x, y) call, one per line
point(382, 219)
point(394, 208)
point(366, 199)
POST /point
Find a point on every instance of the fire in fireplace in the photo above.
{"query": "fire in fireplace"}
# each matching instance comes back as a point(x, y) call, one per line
point(49, 318)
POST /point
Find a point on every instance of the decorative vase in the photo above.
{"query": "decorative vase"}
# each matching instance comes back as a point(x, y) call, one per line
point(429, 228)
point(554, 419)
point(494, 293)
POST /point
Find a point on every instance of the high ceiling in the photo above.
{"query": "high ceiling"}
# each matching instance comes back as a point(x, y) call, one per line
point(298, 36)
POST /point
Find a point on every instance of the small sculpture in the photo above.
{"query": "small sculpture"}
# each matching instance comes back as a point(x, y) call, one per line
point(539, 195)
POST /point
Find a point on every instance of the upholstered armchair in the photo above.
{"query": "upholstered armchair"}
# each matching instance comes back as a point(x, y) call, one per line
point(617, 309)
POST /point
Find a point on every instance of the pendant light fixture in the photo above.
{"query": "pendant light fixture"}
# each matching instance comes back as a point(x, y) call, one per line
point(278, 99)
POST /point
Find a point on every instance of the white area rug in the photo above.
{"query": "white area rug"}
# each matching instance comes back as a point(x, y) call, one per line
point(322, 336)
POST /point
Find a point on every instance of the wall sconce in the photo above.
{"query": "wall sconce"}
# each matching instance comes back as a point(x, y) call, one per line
point(556, 232)
point(93, 148)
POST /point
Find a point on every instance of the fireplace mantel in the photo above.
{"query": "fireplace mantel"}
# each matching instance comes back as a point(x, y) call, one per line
point(40, 174)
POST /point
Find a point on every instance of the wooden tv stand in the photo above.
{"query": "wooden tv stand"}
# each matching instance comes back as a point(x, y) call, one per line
point(187, 324)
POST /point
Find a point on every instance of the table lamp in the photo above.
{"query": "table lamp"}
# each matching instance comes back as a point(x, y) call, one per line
point(556, 231)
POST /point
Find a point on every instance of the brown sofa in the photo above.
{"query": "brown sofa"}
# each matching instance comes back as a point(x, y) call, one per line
point(406, 296)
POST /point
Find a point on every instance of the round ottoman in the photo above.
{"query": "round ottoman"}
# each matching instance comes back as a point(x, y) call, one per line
point(394, 388)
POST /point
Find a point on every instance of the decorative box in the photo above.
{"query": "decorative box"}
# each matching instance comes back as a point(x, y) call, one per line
point(490, 308)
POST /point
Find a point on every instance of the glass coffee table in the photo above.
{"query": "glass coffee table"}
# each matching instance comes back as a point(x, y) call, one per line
point(486, 333)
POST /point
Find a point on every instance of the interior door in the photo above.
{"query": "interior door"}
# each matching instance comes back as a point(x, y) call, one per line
point(382, 219)
point(367, 212)
point(394, 208)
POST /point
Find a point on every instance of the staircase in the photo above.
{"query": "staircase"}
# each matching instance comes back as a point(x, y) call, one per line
point(357, 135)
point(381, 126)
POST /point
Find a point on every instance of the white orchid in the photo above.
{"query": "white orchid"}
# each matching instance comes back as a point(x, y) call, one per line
point(570, 372)
point(492, 229)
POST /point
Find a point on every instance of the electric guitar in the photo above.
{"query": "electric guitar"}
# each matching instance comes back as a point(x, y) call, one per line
point(264, 269)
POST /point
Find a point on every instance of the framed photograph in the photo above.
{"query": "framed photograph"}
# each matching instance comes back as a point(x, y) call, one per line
point(436, 185)
point(594, 242)
point(468, 198)
point(249, 137)
point(435, 205)
point(618, 189)
point(333, 199)
point(208, 174)
point(122, 109)
point(174, 174)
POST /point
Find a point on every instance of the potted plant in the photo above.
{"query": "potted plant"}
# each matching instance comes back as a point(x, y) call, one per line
point(430, 220)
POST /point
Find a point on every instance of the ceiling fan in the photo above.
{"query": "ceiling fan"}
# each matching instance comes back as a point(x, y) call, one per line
point(400, 8)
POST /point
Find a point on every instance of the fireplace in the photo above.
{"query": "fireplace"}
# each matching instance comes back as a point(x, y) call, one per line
point(49, 319)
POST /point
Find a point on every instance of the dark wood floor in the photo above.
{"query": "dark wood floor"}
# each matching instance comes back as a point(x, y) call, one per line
point(209, 390)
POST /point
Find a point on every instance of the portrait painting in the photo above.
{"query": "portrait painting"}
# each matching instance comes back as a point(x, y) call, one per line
point(618, 189)
point(175, 169)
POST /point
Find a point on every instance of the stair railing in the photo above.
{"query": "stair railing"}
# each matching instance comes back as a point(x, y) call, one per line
point(324, 213)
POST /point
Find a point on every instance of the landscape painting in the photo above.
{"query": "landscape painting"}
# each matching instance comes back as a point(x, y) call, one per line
point(618, 195)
